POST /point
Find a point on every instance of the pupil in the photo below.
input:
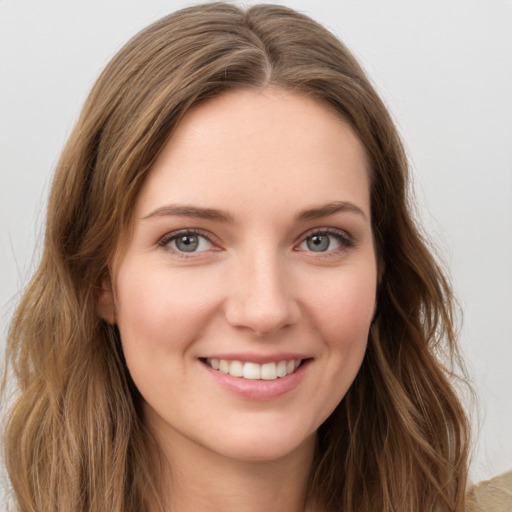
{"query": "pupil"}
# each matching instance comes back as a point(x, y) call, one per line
point(318, 243)
point(187, 243)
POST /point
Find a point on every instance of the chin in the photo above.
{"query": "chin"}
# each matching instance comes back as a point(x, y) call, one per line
point(266, 447)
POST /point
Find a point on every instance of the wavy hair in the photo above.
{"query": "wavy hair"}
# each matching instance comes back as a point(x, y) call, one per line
point(74, 437)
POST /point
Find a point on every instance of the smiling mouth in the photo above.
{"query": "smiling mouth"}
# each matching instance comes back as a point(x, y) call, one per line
point(254, 371)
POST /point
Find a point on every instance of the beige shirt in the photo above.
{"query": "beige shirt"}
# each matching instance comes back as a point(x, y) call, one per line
point(494, 495)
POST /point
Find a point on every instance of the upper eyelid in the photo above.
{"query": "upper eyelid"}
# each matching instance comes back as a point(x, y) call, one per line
point(328, 230)
point(213, 239)
point(171, 235)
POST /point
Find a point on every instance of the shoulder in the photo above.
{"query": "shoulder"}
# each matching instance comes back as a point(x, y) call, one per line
point(494, 495)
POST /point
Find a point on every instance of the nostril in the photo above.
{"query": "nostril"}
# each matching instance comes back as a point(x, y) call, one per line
point(261, 322)
point(260, 297)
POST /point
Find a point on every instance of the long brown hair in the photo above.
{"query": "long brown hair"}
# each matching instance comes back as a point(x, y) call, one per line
point(74, 437)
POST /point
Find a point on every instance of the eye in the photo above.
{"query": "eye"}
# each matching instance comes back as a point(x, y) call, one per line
point(186, 241)
point(326, 241)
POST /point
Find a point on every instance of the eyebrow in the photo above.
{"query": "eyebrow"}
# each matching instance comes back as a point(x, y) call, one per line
point(226, 217)
point(330, 209)
point(191, 211)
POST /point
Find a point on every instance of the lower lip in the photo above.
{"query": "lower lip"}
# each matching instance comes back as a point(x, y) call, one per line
point(259, 389)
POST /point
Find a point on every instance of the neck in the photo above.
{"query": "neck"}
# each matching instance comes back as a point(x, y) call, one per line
point(200, 480)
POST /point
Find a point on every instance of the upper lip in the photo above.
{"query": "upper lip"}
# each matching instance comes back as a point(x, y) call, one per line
point(258, 358)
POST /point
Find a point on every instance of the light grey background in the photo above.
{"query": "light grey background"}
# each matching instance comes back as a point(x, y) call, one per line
point(444, 67)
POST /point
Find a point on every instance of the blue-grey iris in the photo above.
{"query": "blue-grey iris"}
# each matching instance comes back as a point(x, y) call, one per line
point(187, 243)
point(318, 243)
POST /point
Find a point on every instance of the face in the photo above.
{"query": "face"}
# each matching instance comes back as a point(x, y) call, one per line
point(245, 294)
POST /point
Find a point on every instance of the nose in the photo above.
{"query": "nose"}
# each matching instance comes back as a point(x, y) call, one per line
point(261, 298)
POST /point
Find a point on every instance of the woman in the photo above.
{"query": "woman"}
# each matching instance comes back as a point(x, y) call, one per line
point(234, 308)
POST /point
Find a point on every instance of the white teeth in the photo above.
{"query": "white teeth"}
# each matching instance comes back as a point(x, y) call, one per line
point(255, 371)
point(224, 366)
point(281, 369)
point(268, 371)
point(236, 369)
point(252, 371)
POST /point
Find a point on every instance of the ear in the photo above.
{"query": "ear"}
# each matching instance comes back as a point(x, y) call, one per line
point(106, 303)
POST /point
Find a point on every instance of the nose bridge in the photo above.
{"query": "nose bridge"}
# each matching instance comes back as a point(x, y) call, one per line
point(261, 297)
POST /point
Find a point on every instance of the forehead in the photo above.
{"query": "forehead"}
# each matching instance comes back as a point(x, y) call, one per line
point(270, 145)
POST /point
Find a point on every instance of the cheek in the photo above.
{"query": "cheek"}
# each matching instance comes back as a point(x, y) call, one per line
point(160, 309)
point(160, 314)
point(341, 311)
point(344, 307)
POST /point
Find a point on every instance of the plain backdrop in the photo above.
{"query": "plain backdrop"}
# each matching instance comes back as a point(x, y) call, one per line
point(443, 67)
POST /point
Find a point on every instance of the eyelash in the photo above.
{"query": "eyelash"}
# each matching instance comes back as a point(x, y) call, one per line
point(345, 241)
point(164, 242)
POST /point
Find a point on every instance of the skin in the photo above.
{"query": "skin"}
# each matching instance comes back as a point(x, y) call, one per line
point(254, 286)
